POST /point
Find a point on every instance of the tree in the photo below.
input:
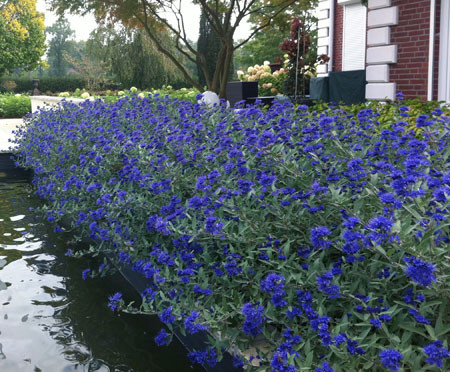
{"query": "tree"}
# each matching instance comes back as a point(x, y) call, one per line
point(281, 22)
point(60, 43)
point(151, 15)
point(94, 72)
point(22, 40)
point(132, 59)
point(265, 45)
point(208, 44)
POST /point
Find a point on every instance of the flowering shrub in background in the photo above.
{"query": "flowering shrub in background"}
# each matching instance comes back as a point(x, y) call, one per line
point(182, 94)
point(14, 105)
point(298, 241)
point(269, 84)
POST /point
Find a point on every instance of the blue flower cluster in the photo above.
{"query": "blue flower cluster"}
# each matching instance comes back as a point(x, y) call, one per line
point(436, 353)
point(260, 225)
point(391, 359)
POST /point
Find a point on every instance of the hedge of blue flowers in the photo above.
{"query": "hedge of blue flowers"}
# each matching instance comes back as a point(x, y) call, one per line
point(295, 240)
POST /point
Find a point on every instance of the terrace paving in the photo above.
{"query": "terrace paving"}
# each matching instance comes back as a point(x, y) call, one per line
point(7, 126)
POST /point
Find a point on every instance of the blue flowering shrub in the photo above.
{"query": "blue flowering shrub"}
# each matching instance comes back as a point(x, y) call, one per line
point(297, 241)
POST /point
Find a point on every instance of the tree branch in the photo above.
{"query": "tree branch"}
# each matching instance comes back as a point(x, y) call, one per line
point(162, 49)
point(264, 25)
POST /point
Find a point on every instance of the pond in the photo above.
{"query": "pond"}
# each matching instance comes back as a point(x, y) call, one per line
point(53, 320)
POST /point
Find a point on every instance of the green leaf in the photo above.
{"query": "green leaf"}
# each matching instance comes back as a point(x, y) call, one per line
point(412, 329)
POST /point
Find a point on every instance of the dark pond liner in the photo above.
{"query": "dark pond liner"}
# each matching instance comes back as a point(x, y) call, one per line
point(9, 173)
point(190, 342)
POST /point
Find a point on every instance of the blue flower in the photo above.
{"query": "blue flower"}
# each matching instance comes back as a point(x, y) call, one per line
point(324, 285)
point(166, 316)
point(320, 324)
point(206, 291)
point(419, 317)
point(340, 339)
point(91, 188)
point(354, 348)
point(238, 362)
point(253, 319)
point(195, 202)
point(114, 301)
point(207, 357)
point(385, 318)
point(391, 359)
point(436, 353)
point(267, 180)
point(376, 323)
point(274, 284)
point(380, 223)
point(212, 226)
point(191, 326)
point(400, 96)
point(381, 227)
point(280, 362)
point(163, 338)
point(324, 368)
point(85, 273)
point(244, 186)
point(317, 233)
point(420, 271)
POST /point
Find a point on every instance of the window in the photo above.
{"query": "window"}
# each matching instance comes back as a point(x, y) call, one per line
point(354, 38)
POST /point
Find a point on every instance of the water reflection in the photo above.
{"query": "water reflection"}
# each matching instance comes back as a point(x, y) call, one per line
point(52, 320)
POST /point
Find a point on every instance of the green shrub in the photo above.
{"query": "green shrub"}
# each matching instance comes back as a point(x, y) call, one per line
point(14, 106)
point(388, 113)
point(50, 84)
point(110, 96)
point(305, 236)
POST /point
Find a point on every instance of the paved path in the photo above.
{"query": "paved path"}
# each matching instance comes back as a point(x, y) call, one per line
point(6, 128)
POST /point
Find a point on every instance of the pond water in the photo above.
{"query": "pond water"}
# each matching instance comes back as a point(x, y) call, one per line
point(52, 320)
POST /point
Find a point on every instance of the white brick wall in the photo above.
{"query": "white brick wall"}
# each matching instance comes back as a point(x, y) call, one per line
point(382, 54)
point(379, 52)
point(323, 32)
point(380, 91)
point(383, 17)
point(322, 69)
point(379, 36)
point(348, 2)
point(323, 41)
point(322, 50)
point(375, 4)
point(323, 23)
point(377, 74)
point(324, 14)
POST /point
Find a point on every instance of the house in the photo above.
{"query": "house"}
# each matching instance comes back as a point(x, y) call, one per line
point(403, 45)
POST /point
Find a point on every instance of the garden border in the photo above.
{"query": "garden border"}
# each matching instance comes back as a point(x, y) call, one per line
point(9, 171)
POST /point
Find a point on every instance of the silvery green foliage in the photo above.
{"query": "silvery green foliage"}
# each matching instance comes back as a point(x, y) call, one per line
point(320, 234)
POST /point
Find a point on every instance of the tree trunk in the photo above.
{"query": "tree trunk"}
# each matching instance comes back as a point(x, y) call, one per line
point(215, 86)
point(226, 68)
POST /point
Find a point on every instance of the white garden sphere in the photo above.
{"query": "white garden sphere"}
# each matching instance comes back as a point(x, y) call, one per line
point(209, 98)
